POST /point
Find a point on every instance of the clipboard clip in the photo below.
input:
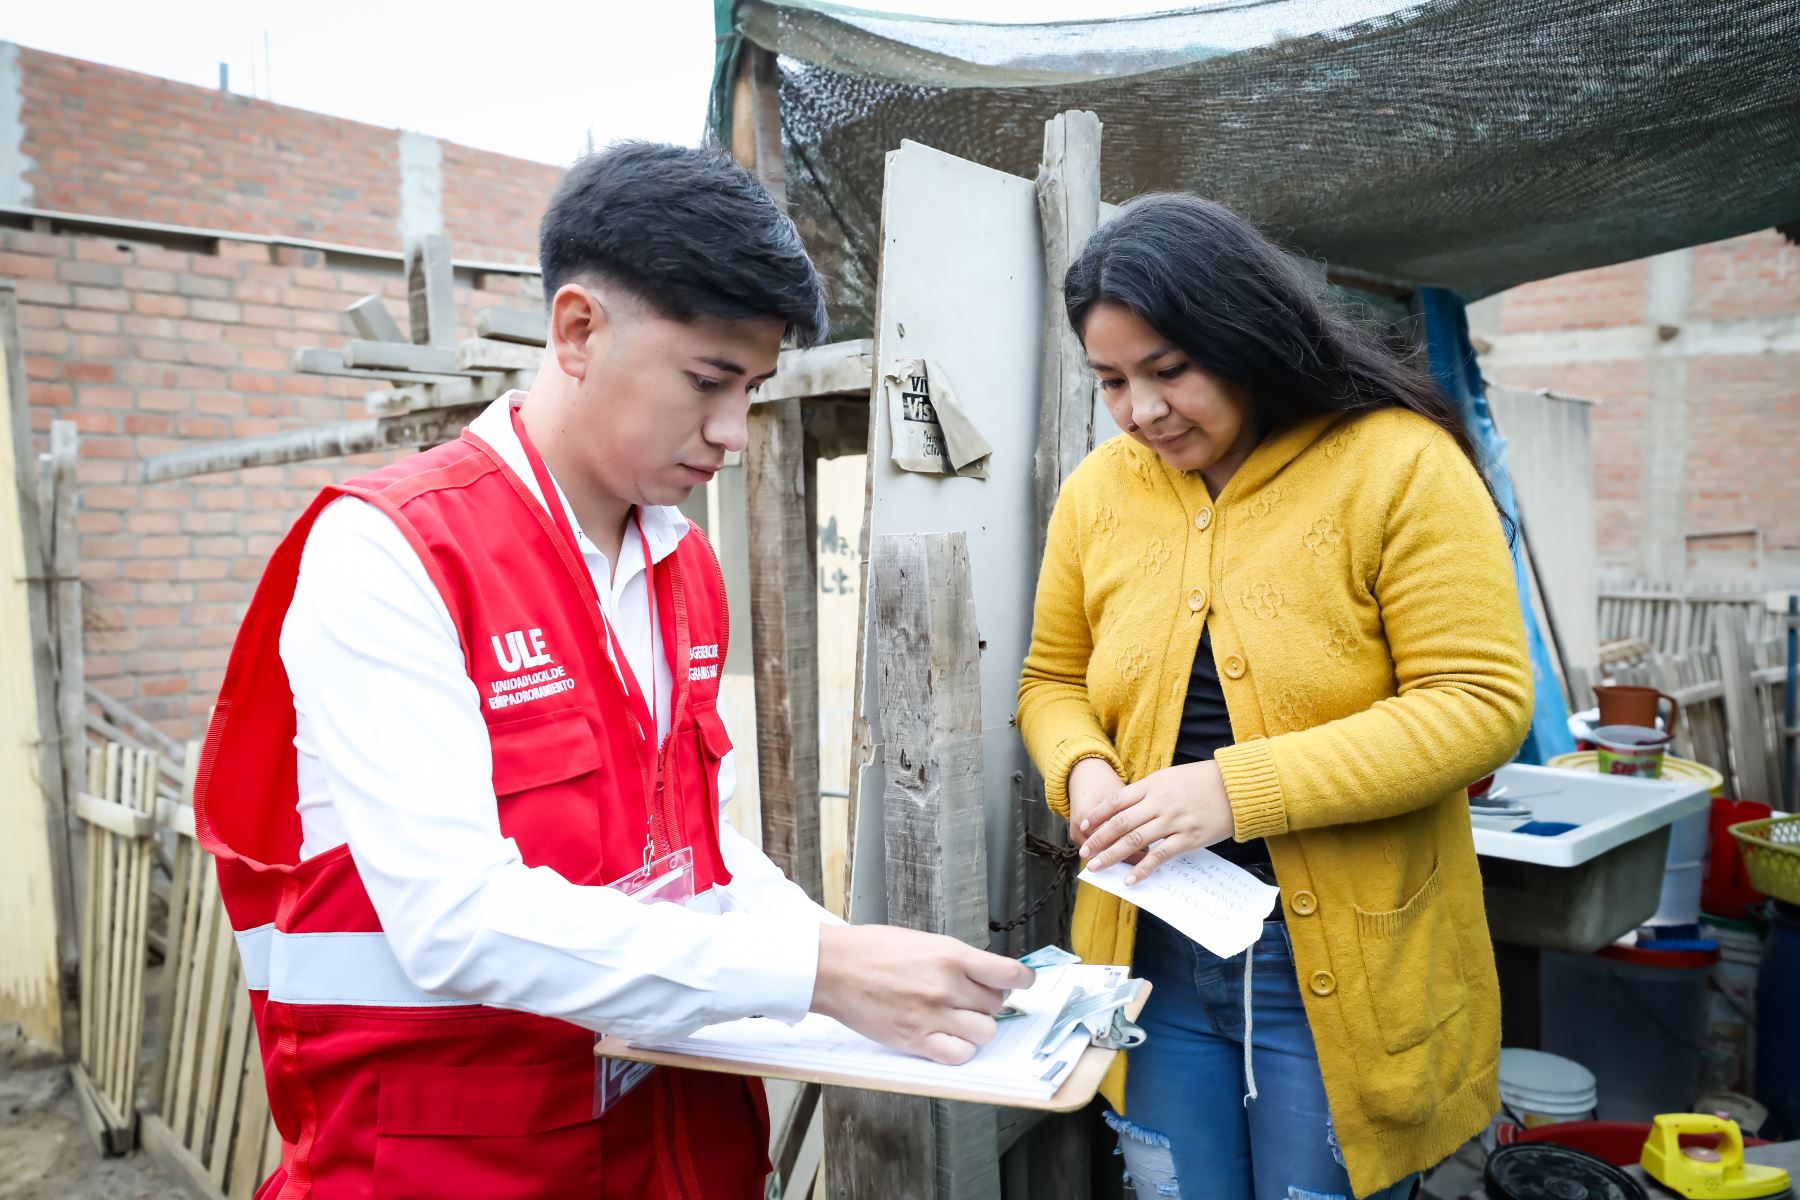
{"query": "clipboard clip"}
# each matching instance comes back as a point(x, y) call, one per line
point(1101, 1013)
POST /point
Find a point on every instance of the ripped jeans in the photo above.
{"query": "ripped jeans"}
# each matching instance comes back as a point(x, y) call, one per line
point(1189, 1130)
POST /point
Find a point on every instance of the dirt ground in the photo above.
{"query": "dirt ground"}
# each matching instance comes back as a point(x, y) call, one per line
point(45, 1153)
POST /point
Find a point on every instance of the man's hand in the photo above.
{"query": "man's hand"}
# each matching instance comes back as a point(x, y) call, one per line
point(923, 993)
point(1161, 816)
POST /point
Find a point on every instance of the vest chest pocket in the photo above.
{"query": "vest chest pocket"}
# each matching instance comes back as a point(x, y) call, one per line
point(549, 782)
point(542, 749)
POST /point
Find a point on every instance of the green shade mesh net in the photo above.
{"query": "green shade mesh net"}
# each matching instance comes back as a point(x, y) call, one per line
point(1469, 144)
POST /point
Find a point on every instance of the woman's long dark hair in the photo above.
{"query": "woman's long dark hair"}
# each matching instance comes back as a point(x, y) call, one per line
point(1241, 309)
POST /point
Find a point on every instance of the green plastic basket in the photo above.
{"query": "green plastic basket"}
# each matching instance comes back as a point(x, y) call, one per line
point(1771, 849)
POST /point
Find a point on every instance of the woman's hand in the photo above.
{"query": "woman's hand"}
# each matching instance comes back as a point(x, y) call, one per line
point(1092, 781)
point(1160, 817)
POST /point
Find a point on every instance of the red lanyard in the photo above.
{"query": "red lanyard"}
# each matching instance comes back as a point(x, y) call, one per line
point(645, 712)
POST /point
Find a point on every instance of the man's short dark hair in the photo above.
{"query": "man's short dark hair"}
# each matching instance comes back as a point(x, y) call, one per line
point(688, 231)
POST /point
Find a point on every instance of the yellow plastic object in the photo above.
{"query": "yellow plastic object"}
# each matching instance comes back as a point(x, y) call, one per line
point(1672, 768)
point(1771, 850)
point(1696, 1173)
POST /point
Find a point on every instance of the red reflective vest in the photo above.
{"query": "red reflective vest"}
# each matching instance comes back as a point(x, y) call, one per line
point(378, 1088)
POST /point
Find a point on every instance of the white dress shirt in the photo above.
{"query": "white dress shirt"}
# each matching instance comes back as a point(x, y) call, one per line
point(394, 759)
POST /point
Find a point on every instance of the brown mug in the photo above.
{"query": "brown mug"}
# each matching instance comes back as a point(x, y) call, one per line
point(1625, 705)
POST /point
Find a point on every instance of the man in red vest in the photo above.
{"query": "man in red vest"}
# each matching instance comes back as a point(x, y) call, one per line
point(470, 728)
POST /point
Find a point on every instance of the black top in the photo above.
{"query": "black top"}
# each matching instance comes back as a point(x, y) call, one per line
point(1205, 730)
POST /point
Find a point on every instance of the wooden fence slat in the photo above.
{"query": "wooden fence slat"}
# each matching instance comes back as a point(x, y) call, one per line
point(210, 1058)
point(219, 1158)
point(143, 854)
point(180, 1121)
point(174, 976)
point(89, 919)
point(105, 966)
point(252, 1128)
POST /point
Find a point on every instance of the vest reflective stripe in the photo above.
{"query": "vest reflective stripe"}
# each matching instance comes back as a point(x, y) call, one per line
point(357, 969)
point(253, 952)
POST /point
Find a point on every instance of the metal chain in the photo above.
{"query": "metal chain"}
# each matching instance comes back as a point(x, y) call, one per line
point(1065, 856)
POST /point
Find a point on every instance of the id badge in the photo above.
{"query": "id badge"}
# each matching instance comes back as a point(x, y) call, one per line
point(667, 880)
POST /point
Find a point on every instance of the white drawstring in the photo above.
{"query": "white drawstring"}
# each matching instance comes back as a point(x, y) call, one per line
point(1249, 1028)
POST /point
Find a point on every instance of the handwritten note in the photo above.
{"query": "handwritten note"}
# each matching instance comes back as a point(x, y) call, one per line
point(1218, 904)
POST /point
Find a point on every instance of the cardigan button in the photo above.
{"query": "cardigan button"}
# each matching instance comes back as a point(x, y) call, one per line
point(1323, 983)
point(1303, 904)
point(1197, 599)
point(1202, 519)
point(1235, 666)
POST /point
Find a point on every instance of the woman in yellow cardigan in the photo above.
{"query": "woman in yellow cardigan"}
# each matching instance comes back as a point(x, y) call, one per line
point(1277, 618)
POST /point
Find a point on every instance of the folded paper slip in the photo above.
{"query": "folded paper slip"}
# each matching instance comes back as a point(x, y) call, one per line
point(1007, 1071)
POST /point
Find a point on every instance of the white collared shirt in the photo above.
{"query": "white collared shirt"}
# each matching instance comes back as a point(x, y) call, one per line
point(393, 758)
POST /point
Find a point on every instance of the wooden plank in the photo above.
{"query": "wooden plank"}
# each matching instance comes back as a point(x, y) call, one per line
point(250, 1130)
point(431, 291)
point(1068, 196)
point(929, 670)
point(401, 356)
point(837, 369)
point(146, 733)
point(512, 325)
point(372, 320)
point(71, 662)
point(218, 1158)
point(99, 1116)
point(461, 392)
point(201, 969)
point(177, 1162)
point(171, 995)
point(303, 445)
point(139, 939)
point(209, 1057)
point(114, 817)
point(784, 641)
point(928, 665)
point(188, 988)
point(1749, 756)
point(316, 360)
point(32, 947)
point(110, 1066)
point(102, 894)
point(480, 354)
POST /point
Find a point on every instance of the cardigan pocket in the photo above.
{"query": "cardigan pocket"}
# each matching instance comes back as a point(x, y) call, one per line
point(1414, 967)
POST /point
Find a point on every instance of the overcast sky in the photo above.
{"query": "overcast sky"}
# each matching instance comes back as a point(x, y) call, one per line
point(531, 82)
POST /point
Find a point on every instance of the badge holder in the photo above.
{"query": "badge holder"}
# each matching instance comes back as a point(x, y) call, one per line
point(667, 880)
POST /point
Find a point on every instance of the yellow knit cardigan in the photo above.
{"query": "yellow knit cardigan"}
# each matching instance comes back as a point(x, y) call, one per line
point(1369, 643)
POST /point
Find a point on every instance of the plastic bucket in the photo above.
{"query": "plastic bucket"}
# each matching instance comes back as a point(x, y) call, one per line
point(1538, 1089)
point(1636, 1018)
point(1731, 1005)
point(1632, 750)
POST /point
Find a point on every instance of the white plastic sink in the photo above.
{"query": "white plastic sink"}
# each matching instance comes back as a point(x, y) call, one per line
point(1608, 811)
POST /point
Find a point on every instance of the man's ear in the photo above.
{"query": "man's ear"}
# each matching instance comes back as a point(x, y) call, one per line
point(580, 325)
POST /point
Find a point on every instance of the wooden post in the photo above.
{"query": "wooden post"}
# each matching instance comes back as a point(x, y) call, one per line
point(32, 947)
point(431, 292)
point(784, 640)
point(782, 543)
point(929, 672)
point(929, 664)
point(1055, 1153)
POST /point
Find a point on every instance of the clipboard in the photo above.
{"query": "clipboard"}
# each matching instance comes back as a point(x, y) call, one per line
point(1074, 1093)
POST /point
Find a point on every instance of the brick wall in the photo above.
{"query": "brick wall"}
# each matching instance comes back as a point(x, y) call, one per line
point(150, 349)
point(110, 142)
point(1695, 358)
point(159, 342)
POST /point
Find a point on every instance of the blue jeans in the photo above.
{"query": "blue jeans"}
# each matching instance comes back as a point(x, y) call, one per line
point(1190, 1130)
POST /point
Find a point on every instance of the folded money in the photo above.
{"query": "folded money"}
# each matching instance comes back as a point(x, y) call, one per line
point(1049, 956)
